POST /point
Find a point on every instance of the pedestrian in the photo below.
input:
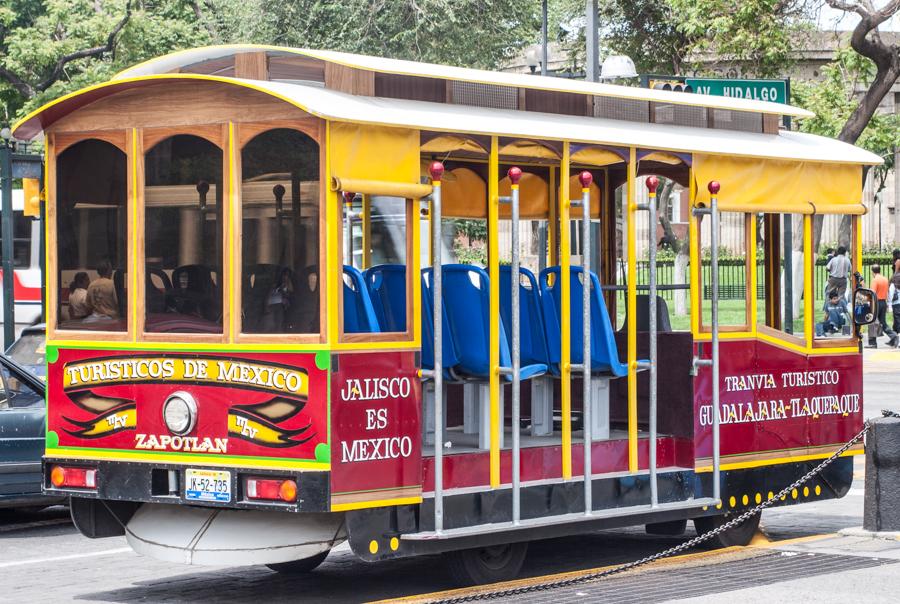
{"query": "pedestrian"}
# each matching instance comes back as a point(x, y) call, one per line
point(836, 314)
point(895, 259)
point(880, 286)
point(894, 300)
point(838, 268)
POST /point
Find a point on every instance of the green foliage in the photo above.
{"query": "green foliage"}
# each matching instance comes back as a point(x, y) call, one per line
point(648, 31)
point(758, 34)
point(474, 230)
point(834, 99)
point(35, 34)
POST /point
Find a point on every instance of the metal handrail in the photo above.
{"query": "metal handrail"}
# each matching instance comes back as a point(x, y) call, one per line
point(437, 171)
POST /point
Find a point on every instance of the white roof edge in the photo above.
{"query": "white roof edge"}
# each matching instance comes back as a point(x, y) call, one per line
point(786, 145)
point(179, 59)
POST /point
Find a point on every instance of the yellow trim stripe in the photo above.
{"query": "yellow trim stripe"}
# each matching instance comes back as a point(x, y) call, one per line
point(777, 461)
point(233, 215)
point(134, 305)
point(186, 459)
point(375, 503)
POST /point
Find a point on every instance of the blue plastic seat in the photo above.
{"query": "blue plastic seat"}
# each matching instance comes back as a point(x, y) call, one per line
point(532, 335)
point(467, 301)
point(359, 316)
point(450, 357)
point(387, 290)
point(604, 353)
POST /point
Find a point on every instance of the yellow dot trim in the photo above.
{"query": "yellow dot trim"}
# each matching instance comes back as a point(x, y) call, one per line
point(745, 500)
point(719, 506)
point(395, 544)
point(758, 498)
point(806, 491)
point(794, 494)
point(771, 495)
point(818, 490)
point(373, 547)
point(732, 502)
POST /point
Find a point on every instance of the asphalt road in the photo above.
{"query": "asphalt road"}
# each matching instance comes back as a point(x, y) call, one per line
point(43, 558)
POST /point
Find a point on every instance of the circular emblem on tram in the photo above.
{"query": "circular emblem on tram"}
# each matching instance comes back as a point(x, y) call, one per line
point(180, 413)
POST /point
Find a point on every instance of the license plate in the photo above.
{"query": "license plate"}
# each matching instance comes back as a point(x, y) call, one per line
point(207, 485)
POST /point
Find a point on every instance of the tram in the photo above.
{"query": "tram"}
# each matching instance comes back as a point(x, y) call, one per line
point(280, 351)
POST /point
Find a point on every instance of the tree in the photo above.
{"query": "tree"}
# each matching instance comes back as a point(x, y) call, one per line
point(50, 47)
point(468, 33)
point(866, 40)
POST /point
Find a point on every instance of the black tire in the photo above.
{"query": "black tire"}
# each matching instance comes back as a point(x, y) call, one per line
point(739, 535)
point(299, 567)
point(482, 565)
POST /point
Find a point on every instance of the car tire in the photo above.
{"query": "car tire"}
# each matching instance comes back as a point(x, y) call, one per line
point(481, 565)
point(299, 567)
point(739, 535)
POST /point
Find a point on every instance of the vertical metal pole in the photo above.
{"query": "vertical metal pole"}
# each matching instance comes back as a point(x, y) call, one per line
point(515, 174)
point(544, 39)
point(652, 184)
point(788, 279)
point(592, 62)
point(437, 171)
point(585, 178)
point(9, 305)
point(714, 249)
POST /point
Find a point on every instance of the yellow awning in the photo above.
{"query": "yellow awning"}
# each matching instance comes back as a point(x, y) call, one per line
point(766, 185)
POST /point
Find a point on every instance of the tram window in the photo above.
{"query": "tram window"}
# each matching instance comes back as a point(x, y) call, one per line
point(280, 233)
point(21, 240)
point(376, 242)
point(91, 230)
point(733, 274)
point(831, 315)
point(781, 261)
point(183, 236)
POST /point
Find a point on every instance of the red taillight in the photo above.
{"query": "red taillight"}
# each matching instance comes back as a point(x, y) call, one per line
point(78, 478)
point(272, 489)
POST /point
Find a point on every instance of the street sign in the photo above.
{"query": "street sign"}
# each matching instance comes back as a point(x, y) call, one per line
point(776, 91)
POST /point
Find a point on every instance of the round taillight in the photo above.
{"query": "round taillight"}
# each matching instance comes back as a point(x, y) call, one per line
point(288, 490)
point(58, 476)
point(180, 413)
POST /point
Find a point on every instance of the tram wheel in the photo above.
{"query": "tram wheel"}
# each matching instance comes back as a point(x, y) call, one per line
point(740, 535)
point(486, 564)
point(299, 567)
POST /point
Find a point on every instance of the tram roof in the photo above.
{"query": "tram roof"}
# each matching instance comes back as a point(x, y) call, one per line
point(180, 60)
point(339, 106)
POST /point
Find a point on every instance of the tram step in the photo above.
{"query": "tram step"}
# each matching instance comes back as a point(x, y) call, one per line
point(531, 523)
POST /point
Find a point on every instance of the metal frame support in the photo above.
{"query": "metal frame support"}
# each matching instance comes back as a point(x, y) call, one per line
point(437, 171)
point(651, 208)
point(6, 182)
point(515, 174)
point(586, 178)
point(713, 362)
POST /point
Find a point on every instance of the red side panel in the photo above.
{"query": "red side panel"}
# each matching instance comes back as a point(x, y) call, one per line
point(776, 403)
point(375, 406)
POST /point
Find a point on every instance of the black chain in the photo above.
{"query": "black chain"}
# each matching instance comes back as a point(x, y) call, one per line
point(518, 591)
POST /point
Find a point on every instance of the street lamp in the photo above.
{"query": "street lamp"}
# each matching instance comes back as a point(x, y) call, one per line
point(533, 58)
point(617, 66)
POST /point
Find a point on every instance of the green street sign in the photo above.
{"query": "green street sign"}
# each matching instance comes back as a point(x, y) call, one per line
point(775, 91)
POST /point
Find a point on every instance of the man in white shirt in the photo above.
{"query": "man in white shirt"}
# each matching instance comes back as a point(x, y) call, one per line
point(838, 268)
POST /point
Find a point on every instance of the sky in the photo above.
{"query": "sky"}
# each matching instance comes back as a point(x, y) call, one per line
point(830, 19)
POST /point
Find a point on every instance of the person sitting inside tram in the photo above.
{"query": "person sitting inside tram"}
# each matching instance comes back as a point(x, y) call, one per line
point(101, 296)
point(78, 300)
point(836, 314)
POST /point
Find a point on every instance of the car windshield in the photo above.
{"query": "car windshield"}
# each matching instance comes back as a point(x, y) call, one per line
point(28, 350)
point(17, 390)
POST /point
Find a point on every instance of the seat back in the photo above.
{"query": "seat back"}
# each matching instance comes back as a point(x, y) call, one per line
point(604, 353)
point(258, 282)
point(643, 314)
point(467, 300)
point(386, 284)
point(450, 358)
point(532, 335)
point(359, 316)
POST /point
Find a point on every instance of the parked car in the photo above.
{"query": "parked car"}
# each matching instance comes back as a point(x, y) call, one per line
point(28, 350)
point(23, 412)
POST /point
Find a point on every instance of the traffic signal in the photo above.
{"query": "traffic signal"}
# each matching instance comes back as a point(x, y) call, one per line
point(674, 84)
point(32, 193)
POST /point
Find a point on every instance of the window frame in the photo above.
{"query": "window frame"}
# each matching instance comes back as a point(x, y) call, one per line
point(749, 281)
point(855, 249)
point(245, 132)
point(56, 144)
point(146, 139)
